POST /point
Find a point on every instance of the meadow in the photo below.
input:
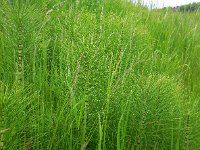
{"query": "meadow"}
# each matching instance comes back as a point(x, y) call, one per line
point(107, 75)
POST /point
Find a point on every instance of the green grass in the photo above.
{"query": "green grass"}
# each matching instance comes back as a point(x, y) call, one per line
point(108, 74)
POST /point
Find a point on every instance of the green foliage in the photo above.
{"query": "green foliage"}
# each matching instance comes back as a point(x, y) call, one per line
point(189, 8)
point(192, 7)
point(106, 74)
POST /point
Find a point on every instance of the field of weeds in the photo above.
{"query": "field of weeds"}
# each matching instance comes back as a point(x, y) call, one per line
point(101, 75)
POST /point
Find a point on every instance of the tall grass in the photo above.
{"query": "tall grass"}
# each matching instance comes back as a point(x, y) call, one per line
point(97, 74)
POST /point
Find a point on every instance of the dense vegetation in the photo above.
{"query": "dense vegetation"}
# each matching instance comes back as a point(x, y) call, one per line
point(189, 7)
point(106, 74)
point(192, 7)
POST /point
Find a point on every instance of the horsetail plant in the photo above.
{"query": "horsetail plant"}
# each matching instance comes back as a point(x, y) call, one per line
point(105, 74)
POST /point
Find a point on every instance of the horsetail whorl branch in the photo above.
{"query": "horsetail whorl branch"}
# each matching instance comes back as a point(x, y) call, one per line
point(20, 50)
